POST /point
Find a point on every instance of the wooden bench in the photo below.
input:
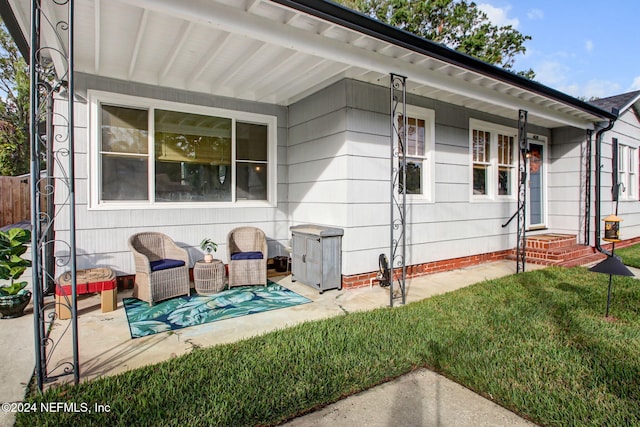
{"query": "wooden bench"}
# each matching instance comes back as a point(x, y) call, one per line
point(102, 280)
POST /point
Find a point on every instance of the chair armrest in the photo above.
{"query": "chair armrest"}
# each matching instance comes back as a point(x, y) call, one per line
point(142, 262)
point(173, 251)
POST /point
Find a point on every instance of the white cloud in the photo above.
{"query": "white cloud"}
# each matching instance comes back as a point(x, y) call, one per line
point(559, 76)
point(498, 16)
point(551, 73)
point(636, 84)
point(588, 45)
point(601, 89)
point(535, 14)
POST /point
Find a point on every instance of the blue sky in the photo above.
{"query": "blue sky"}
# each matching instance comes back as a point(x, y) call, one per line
point(584, 48)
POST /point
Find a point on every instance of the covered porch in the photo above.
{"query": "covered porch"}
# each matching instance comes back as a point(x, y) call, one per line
point(106, 347)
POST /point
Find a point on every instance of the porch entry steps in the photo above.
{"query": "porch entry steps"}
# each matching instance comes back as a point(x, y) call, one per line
point(558, 249)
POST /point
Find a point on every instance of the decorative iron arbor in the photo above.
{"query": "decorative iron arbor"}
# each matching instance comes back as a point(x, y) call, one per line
point(523, 151)
point(52, 187)
point(398, 197)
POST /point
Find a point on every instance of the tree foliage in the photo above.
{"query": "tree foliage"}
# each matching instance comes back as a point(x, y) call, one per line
point(457, 24)
point(14, 108)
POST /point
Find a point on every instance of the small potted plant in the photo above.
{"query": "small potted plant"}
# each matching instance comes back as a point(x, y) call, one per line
point(208, 246)
point(13, 297)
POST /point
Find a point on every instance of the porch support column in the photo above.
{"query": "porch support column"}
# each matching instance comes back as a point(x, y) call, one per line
point(523, 145)
point(51, 81)
point(398, 196)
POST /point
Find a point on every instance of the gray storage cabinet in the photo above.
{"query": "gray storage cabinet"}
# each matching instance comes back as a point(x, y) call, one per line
point(316, 256)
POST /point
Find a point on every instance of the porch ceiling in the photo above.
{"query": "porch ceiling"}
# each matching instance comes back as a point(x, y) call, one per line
point(262, 51)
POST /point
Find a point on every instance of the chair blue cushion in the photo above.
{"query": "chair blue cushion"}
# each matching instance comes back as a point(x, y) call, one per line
point(165, 264)
point(246, 255)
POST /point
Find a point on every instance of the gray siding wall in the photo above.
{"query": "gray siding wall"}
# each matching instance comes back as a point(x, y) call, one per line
point(102, 234)
point(339, 176)
point(627, 130)
point(567, 182)
point(333, 169)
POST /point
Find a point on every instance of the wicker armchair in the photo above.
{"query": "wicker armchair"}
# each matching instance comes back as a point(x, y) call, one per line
point(162, 267)
point(247, 249)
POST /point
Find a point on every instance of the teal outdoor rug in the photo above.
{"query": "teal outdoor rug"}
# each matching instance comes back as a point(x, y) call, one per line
point(181, 312)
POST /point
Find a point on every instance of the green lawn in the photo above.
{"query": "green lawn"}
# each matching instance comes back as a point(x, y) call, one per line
point(537, 343)
point(630, 255)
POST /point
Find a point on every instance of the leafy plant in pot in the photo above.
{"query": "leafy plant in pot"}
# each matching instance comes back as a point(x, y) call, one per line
point(208, 246)
point(13, 297)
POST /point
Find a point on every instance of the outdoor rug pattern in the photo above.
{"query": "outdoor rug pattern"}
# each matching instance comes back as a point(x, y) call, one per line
point(181, 312)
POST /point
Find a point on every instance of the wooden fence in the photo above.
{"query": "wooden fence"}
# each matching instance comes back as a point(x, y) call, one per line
point(15, 199)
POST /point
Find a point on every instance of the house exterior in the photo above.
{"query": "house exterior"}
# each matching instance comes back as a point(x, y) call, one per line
point(621, 162)
point(192, 118)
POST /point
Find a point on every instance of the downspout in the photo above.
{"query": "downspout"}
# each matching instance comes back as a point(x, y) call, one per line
point(599, 183)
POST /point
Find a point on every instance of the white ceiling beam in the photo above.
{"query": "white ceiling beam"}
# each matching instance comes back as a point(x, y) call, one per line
point(289, 18)
point(324, 28)
point(251, 5)
point(284, 60)
point(142, 28)
point(185, 32)
point(209, 57)
point(238, 66)
point(97, 18)
point(328, 70)
point(301, 89)
point(308, 68)
point(54, 39)
point(239, 22)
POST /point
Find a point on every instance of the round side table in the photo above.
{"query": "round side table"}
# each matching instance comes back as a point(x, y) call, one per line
point(208, 276)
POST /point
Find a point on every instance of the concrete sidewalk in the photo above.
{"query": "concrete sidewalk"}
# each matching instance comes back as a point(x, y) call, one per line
point(421, 398)
point(106, 348)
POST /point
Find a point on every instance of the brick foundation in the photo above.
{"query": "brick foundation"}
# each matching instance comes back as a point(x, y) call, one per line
point(622, 244)
point(364, 279)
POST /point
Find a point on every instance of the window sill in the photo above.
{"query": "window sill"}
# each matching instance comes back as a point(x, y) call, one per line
point(183, 205)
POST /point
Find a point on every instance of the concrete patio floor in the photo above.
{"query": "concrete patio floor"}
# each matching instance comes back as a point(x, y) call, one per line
point(106, 347)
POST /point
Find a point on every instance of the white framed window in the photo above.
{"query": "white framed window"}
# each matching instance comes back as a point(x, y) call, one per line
point(150, 153)
point(628, 172)
point(493, 160)
point(506, 164)
point(419, 153)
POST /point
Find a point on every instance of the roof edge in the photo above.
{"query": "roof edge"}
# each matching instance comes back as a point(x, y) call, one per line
point(10, 21)
point(631, 103)
point(357, 21)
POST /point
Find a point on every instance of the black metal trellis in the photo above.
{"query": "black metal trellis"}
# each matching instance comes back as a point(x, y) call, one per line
point(523, 150)
point(398, 209)
point(521, 211)
point(51, 81)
